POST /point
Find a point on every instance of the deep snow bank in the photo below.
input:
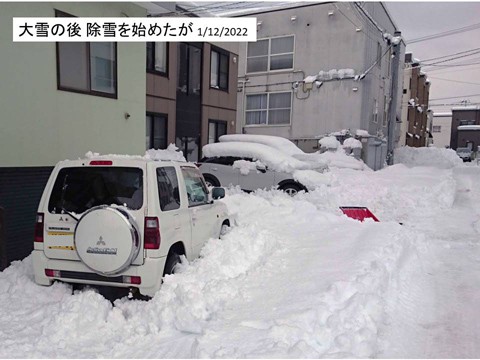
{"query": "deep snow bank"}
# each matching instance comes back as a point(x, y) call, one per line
point(427, 156)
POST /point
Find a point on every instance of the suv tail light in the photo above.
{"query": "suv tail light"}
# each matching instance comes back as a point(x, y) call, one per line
point(151, 233)
point(39, 228)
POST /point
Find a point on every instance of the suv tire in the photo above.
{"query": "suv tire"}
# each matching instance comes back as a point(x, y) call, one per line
point(291, 189)
point(211, 180)
point(173, 260)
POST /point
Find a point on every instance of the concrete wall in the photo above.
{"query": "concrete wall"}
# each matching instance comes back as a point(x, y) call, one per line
point(41, 125)
point(442, 139)
point(323, 42)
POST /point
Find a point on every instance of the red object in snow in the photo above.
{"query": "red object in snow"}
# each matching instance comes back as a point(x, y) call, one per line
point(358, 213)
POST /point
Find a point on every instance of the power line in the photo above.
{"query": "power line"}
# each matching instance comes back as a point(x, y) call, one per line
point(454, 97)
point(457, 81)
point(445, 33)
point(449, 55)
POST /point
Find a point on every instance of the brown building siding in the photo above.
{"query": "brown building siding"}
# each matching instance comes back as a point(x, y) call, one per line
point(216, 104)
point(417, 121)
point(459, 116)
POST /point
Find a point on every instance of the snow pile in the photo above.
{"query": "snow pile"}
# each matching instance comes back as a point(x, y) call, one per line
point(352, 143)
point(245, 166)
point(276, 142)
point(329, 142)
point(294, 278)
point(171, 153)
point(427, 156)
point(362, 133)
point(336, 74)
point(310, 79)
point(274, 159)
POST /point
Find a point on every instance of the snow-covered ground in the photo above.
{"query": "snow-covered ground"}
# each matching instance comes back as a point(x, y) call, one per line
point(293, 278)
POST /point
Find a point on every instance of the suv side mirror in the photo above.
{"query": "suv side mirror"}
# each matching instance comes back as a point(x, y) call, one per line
point(218, 193)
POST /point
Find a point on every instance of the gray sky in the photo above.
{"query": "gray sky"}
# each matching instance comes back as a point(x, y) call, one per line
point(416, 19)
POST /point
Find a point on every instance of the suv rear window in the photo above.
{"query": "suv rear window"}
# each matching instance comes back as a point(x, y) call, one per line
point(79, 189)
point(221, 160)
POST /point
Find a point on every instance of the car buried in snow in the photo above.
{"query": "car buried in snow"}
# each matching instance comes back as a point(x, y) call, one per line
point(123, 222)
point(255, 166)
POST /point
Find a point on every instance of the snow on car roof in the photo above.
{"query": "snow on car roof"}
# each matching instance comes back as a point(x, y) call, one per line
point(279, 143)
point(273, 158)
point(171, 153)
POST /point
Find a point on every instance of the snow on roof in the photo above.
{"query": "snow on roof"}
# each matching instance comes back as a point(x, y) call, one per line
point(471, 107)
point(274, 159)
point(277, 142)
point(468, 127)
point(171, 153)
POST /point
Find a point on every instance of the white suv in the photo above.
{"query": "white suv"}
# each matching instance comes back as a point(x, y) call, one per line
point(123, 222)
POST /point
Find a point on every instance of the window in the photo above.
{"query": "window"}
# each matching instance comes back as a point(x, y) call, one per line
point(216, 129)
point(268, 109)
point(156, 137)
point(157, 57)
point(189, 69)
point(168, 192)
point(270, 54)
point(197, 192)
point(78, 189)
point(219, 70)
point(88, 68)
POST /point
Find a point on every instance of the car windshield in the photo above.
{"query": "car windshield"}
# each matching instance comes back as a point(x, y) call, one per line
point(79, 189)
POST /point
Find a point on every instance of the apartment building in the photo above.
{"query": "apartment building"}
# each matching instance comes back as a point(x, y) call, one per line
point(416, 89)
point(61, 100)
point(465, 127)
point(302, 78)
point(191, 94)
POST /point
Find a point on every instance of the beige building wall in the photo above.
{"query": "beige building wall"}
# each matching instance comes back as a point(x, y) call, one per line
point(40, 125)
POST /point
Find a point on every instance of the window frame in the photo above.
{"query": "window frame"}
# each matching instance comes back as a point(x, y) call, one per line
point(216, 122)
point(152, 120)
point(221, 52)
point(202, 180)
point(269, 54)
point(59, 13)
point(165, 73)
point(268, 109)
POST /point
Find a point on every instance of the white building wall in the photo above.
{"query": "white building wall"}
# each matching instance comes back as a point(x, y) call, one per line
point(324, 39)
point(41, 125)
point(442, 139)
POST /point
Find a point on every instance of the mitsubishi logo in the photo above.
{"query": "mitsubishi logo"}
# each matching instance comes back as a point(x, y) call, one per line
point(100, 241)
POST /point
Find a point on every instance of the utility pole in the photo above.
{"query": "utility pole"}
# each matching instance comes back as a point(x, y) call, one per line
point(392, 110)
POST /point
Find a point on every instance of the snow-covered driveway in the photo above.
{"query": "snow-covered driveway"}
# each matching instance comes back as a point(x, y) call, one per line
point(293, 278)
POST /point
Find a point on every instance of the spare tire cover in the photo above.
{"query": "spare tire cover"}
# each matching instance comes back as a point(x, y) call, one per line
point(107, 239)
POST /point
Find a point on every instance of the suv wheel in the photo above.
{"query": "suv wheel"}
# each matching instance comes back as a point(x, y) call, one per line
point(211, 181)
point(291, 189)
point(173, 260)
